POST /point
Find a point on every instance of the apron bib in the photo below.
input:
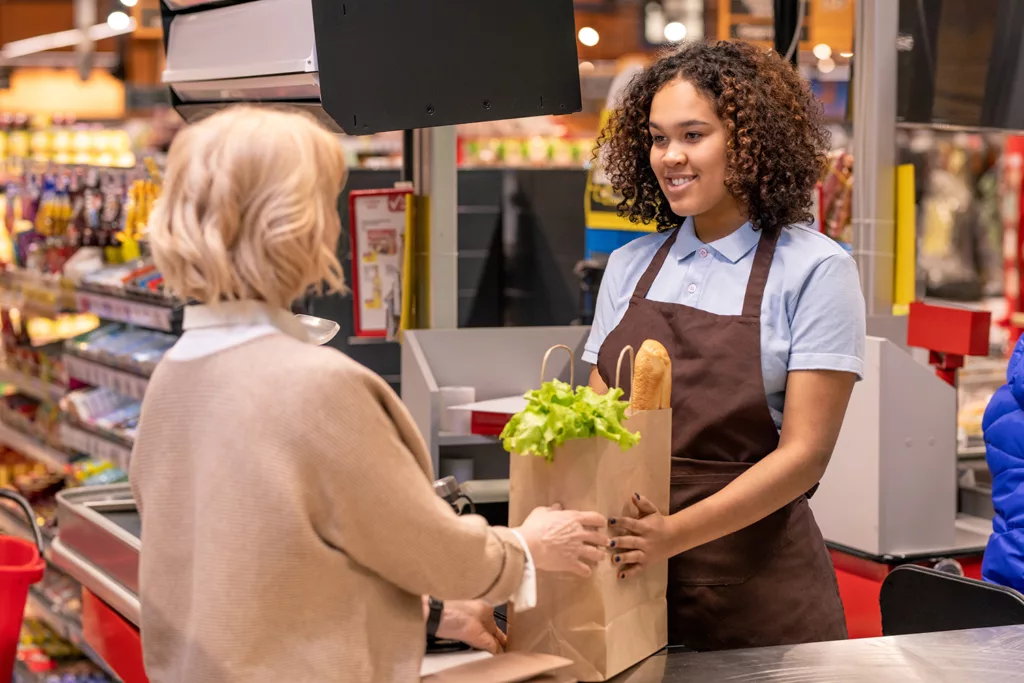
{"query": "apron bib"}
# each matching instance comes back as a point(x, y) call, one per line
point(773, 582)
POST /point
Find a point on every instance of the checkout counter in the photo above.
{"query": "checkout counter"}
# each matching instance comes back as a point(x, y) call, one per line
point(99, 545)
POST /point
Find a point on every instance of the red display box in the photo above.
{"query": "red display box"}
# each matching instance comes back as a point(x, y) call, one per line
point(943, 329)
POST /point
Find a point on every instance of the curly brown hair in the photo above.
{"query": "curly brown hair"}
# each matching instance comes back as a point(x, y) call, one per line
point(777, 144)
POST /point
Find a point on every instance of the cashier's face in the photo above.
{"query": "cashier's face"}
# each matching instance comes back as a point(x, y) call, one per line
point(688, 150)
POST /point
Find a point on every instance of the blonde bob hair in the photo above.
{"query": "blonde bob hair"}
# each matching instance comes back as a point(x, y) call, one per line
point(249, 209)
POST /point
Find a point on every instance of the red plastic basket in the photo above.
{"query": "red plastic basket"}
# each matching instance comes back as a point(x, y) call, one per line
point(21, 565)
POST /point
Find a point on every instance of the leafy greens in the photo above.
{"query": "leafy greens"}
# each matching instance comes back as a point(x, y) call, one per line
point(555, 414)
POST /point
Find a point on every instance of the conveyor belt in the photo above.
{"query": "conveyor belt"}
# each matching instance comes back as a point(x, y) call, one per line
point(978, 656)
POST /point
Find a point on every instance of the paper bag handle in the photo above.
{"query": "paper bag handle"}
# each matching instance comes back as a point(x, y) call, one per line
point(572, 364)
point(618, 366)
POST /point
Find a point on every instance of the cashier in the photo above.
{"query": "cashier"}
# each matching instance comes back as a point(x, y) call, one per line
point(290, 531)
point(720, 146)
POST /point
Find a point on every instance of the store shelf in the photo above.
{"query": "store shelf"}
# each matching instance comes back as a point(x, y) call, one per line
point(449, 439)
point(96, 446)
point(101, 375)
point(149, 315)
point(32, 448)
point(32, 386)
point(68, 628)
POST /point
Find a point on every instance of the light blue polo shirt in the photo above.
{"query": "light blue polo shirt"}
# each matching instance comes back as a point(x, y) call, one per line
point(812, 315)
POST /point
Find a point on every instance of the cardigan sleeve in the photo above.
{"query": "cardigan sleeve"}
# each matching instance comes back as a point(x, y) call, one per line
point(378, 505)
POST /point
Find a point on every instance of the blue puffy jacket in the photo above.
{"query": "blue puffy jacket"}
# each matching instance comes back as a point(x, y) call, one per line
point(1004, 446)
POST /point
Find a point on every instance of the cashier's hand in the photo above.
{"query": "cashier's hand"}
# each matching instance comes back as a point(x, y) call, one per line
point(646, 540)
point(471, 622)
point(565, 540)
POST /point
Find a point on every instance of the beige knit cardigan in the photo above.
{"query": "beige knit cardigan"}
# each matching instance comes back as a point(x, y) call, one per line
point(289, 526)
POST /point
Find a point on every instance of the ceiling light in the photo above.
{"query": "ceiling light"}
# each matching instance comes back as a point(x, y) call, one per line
point(118, 21)
point(846, 55)
point(822, 51)
point(826, 66)
point(675, 31)
point(129, 3)
point(589, 36)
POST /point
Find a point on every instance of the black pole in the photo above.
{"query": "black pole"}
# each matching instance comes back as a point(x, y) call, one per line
point(786, 18)
point(407, 156)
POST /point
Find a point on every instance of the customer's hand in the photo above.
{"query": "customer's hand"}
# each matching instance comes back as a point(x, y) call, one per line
point(471, 622)
point(565, 540)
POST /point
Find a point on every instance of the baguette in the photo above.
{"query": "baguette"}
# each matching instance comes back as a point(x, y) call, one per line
point(652, 378)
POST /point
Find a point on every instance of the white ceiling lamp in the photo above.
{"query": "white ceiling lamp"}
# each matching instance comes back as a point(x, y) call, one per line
point(846, 55)
point(826, 66)
point(589, 36)
point(675, 31)
point(822, 51)
point(118, 21)
point(129, 3)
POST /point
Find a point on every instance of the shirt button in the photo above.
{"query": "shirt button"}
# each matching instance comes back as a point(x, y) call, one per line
point(703, 253)
point(691, 289)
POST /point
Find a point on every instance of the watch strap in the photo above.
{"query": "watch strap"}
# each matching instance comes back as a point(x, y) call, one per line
point(434, 617)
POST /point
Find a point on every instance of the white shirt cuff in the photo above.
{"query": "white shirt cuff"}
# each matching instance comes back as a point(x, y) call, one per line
point(525, 596)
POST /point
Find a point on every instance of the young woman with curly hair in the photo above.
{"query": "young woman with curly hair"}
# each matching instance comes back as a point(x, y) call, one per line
point(720, 145)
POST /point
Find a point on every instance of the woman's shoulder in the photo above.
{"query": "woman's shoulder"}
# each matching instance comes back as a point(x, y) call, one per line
point(311, 363)
point(811, 245)
point(294, 366)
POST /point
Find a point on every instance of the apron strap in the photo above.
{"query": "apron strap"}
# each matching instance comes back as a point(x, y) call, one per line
point(759, 275)
point(643, 286)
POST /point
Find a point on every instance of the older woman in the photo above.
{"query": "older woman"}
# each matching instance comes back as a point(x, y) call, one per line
point(290, 530)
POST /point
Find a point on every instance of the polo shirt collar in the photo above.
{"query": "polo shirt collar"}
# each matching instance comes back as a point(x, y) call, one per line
point(733, 246)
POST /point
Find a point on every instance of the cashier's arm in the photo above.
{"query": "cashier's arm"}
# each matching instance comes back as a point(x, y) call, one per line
point(816, 403)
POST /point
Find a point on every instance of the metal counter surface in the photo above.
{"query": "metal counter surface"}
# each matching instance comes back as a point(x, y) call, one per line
point(983, 655)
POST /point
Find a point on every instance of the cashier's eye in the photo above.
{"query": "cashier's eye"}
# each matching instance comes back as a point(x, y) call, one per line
point(658, 139)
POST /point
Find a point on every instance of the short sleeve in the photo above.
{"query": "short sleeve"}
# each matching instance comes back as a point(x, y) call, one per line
point(829, 324)
point(606, 312)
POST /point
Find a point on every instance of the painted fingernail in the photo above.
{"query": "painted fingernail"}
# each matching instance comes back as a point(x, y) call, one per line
point(618, 559)
point(611, 521)
point(637, 496)
point(612, 544)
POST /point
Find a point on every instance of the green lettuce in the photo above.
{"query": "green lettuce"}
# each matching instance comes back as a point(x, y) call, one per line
point(555, 414)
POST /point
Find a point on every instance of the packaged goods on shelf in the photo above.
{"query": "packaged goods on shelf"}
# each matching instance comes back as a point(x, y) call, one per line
point(105, 412)
point(54, 220)
point(44, 656)
point(122, 346)
point(837, 198)
point(136, 279)
point(60, 594)
point(540, 152)
point(36, 419)
point(62, 140)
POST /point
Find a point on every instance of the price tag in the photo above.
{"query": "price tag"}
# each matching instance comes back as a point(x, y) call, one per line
point(130, 312)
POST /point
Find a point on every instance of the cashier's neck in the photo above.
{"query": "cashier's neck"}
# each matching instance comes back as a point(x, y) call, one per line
point(720, 221)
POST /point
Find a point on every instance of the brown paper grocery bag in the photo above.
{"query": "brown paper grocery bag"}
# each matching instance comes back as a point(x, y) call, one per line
point(513, 667)
point(604, 624)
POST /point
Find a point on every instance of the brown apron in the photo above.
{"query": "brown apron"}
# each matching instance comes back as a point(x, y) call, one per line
point(771, 583)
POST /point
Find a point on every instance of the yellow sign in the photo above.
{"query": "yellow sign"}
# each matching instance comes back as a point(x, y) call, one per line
point(601, 205)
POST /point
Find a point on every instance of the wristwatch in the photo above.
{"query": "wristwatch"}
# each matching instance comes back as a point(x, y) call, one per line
point(434, 617)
